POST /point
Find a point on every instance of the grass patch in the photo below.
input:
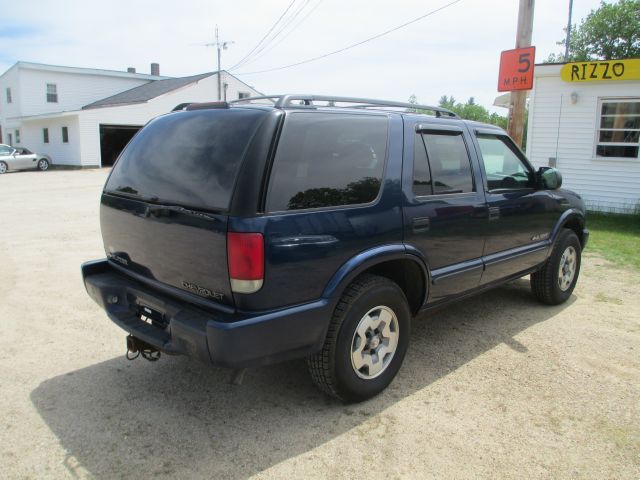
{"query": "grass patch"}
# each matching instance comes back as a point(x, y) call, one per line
point(615, 237)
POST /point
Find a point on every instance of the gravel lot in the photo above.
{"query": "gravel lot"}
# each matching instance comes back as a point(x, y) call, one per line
point(495, 387)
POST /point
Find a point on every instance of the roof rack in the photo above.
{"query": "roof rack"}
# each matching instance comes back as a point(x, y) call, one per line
point(283, 101)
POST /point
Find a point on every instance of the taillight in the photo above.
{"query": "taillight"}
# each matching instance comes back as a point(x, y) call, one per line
point(245, 254)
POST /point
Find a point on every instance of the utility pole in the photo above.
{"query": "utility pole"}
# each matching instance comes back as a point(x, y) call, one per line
point(220, 45)
point(519, 97)
point(566, 47)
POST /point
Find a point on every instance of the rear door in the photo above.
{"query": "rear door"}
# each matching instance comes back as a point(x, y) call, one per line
point(521, 217)
point(445, 211)
point(164, 209)
point(333, 192)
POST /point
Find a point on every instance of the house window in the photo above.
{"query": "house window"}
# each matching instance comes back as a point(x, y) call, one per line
point(242, 95)
point(619, 128)
point(52, 93)
point(45, 135)
point(10, 136)
point(17, 136)
point(65, 135)
point(9, 98)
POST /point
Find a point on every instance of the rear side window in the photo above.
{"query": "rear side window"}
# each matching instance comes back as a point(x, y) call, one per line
point(187, 158)
point(328, 160)
point(446, 167)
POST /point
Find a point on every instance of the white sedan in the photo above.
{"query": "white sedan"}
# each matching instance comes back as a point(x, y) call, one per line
point(19, 158)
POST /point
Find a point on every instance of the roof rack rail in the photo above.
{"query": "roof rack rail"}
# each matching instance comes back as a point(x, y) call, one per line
point(283, 101)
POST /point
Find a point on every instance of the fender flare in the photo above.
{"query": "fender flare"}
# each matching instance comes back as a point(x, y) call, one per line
point(566, 216)
point(370, 258)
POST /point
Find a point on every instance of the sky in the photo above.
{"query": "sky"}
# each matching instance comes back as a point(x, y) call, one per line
point(455, 51)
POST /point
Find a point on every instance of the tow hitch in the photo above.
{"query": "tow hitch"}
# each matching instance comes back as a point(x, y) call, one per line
point(137, 347)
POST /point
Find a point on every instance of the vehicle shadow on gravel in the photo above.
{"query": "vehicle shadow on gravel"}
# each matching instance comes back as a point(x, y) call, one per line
point(179, 418)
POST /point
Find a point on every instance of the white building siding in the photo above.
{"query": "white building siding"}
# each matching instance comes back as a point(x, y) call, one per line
point(61, 153)
point(74, 91)
point(566, 131)
point(10, 80)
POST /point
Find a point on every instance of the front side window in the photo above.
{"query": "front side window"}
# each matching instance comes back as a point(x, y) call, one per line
point(619, 129)
point(504, 168)
point(449, 167)
point(65, 135)
point(9, 97)
point(328, 160)
point(52, 93)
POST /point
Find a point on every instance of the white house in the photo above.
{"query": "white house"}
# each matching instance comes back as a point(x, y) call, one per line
point(584, 119)
point(84, 117)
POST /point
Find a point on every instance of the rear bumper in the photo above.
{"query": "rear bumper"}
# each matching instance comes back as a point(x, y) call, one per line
point(234, 340)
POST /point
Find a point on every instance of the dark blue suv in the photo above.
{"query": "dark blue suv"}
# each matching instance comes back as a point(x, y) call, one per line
point(308, 226)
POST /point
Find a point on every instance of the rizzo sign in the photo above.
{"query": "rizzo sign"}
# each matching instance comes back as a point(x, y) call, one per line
point(598, 71)
point(516, 69)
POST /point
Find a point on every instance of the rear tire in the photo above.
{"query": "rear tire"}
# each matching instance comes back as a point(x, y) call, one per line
point(367, 340)
point(3, 168)
point(553, 284)
point(43, 164)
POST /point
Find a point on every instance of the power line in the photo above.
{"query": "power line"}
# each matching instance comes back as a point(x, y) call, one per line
point(265, 36)
point(355, 44)
point(300, 22)
point(287, 22)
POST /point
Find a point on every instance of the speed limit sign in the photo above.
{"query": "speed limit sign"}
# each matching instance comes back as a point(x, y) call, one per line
point(516, 69)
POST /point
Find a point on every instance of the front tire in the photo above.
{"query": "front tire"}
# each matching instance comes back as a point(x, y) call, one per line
point(553, 284)
point(366, 343)
point(43, 164)
point(3, 168)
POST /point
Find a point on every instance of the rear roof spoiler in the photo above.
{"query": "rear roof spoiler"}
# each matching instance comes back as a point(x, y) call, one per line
point(199, 106)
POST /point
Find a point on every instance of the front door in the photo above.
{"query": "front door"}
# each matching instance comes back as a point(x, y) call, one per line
point(520, 216)
point(24, 159)
point(445, 211)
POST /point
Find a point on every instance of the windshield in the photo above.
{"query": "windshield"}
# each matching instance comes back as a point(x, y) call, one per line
point(187, 158)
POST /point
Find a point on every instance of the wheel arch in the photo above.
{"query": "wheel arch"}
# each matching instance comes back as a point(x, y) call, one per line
point(572, 219)
point(400, 264)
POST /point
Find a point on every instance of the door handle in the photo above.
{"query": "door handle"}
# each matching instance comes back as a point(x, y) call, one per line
point(421, 224)
point(494, 213)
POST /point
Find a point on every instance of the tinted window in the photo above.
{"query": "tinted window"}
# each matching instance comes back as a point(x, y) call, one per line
point(504, 168)
point(421, 171)
point(449, 162)
point(326, 160)
point(187, 158)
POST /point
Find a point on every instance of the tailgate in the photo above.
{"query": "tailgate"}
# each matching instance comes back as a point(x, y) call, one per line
point(177, 246)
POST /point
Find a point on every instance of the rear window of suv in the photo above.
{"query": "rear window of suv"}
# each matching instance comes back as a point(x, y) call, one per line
point(187, 158)
point(328, 160)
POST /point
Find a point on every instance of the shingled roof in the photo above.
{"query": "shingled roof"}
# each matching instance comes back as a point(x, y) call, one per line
point(146, 92)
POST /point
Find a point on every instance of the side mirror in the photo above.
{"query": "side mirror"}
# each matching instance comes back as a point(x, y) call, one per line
point(549, 178)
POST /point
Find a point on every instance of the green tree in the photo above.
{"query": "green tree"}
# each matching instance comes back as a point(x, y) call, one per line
point(472, 111)
point(469, 111)
point(610, 32)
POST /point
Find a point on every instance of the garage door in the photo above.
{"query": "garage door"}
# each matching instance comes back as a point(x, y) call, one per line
point(113, 138)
